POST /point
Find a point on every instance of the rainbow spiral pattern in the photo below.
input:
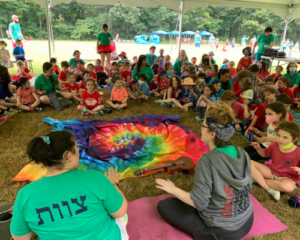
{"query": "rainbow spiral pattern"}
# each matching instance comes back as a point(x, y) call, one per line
point(127, 144)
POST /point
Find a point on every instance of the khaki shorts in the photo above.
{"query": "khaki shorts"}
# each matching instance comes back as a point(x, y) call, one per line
point(274, 177)
point(138, 94)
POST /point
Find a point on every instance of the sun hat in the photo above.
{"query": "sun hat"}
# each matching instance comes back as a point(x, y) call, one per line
point(211, 53)
point(250, 94)
point(188, 81)
point(225, 60)
point(162, 72)
point(249, 49)
point(123, 54)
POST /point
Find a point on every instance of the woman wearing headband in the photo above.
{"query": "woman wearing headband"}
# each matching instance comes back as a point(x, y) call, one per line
point(68, 203)
point(219, 205)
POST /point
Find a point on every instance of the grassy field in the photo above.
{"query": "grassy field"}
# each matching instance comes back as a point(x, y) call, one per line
point(20, 128)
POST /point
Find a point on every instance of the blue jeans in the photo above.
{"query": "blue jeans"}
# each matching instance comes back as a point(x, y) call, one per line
point(197, 44)
point(258, 56)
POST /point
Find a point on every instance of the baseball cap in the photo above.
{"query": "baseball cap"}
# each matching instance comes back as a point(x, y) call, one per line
point(188, 81)
point(123, 54)
point(162, 72)
point(211, 53)
point(250, 94)
point(225, 60)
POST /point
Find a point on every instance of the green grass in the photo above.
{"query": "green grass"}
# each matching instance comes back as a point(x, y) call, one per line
point(16, 132)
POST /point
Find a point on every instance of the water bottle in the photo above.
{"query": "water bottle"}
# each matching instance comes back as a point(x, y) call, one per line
point(294, 202)
point(250, 134)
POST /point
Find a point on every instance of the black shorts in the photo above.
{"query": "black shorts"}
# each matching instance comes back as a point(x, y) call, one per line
point(116, 102)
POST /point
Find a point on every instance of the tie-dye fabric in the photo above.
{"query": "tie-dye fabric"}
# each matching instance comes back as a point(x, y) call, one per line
point(127, 144)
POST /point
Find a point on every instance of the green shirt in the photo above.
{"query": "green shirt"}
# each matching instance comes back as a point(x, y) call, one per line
point(213, 61)
point(72, 205)
point(177, 66)
point(73, 61)
point(44, 84)
point(120, 62)
point(16, 30)
point(197, 38)
point(186, 60)
point(264, 42)
point(294, 79)
point(147, 70)
point(230, 150)
point(103, 38)
point(150, 60)
point(229, 83)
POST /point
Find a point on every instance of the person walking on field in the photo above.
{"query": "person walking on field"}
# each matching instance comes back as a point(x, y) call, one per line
point(197, 39)
point(15, 31)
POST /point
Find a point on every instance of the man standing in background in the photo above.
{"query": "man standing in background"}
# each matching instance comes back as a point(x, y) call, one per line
point(15, 31)
point(197, 39)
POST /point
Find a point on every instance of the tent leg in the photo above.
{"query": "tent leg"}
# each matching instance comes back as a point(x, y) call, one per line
point(287, 21)
point(52, 34)
point(48, 30)
point(180, 24)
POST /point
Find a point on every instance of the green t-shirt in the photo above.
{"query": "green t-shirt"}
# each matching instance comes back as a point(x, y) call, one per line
point(44, 84)
point(229, 83)
point(230, 150)
point(197, 38)
point(103, 38)
point(120, 62)
point(213, 61)
point(186, 60)
point(16, 30)
point(72, 62)
point(150, 60)
point(294, 79)
point(147, 70)
point(264, 42)
point(177, 66)
point(72, 205)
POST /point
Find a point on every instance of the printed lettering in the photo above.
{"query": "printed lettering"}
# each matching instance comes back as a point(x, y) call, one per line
point(64, 203)
point(41, 210)
point(227, 209)
point(57, 206)
point(83, 208)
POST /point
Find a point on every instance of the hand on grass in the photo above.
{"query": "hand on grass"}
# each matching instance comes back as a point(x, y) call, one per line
point(167, 186)
point(113, 175)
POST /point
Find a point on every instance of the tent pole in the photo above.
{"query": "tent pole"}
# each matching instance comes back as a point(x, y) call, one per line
point(180, 24)
point(52, 34)
point(286, 20)
point(47, 18)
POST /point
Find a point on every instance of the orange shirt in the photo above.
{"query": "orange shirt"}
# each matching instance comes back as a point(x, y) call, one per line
point(26, 95)
point(119, 95)
point(232, 72)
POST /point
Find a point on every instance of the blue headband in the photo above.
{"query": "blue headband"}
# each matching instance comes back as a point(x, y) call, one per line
point(46, 139)
point(222, 132)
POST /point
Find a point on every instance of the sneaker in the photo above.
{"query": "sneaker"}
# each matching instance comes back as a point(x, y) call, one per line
point(275, 194)
point(185, 109)
point(14, 110)
point(8, 113)
point(158, 102)
point(106, 110)
point(85, 113)
point(107, 106)
point(38, 110)
point(99, 113)
point(120, 109)
point(3, 119)
point(21, 111)
point(199, 119)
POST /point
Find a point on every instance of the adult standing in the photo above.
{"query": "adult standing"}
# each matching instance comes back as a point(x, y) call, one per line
point(197, 39)
point(244, 39)
point(103, 45)
point(212, 41)
point(47, 83)
point(89, 209)
point(219, 205)
point(264, 40)
point(72, 61)
point(254, 39)
point(143, 67)
point(15, 31)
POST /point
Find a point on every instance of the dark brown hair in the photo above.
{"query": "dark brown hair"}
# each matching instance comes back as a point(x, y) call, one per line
point(253, 68)
point(284, 80)
point(4, 75)
point(46, 67)
point(246, 84)
point(3, 42)
point(64, 64)
point(290, 127)
point(241, 74)
point(284, 98)
point(277, 107)
point(270, 90)
point(269, 79)
point(227, 95)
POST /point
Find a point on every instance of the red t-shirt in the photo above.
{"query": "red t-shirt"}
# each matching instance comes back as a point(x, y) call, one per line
point(262, 74)
point(82, 85)
point(291, 119)
point(94, 75)
point(73, 89)
point(236, 89)
point(257, 110)
point(127, 75)
point(55, 69)
point(99, 69)
point(26, 70)
point(63, 76)
point(289, 92)
point(174, 91)
point(238, 110)
point(91, 100)
point(213, 74)
point(296, 92)
point(245, 63)
point(79, 69)
point(111, 73)
point(162, 85)
point(276, 77)
point(282, 162)
point(26, 95)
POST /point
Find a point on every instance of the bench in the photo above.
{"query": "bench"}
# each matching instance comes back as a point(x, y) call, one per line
point(29, 61)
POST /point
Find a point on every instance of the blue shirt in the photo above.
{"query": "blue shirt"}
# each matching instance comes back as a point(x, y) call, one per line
point(187, 96)
point(219, 94)
point(223, 66)
point(197, 38)
point(144, 88)
point(207, 79)
point(19, 51)
point(211, 98)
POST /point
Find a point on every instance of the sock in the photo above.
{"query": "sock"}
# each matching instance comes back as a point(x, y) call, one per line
point(31, 109)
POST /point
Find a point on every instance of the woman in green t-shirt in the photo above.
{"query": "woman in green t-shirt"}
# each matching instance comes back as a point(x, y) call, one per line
point(224, 77)
point(71, 204)
point(47, 83)
point(143, 67)
point(103, 47)
point(293, 75)
point(72, 61)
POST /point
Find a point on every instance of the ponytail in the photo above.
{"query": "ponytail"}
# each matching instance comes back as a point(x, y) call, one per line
point(50, 149)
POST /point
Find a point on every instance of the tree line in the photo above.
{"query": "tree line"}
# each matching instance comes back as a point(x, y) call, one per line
point(76, 21)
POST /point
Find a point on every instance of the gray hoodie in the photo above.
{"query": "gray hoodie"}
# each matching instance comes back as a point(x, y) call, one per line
point(221, 191)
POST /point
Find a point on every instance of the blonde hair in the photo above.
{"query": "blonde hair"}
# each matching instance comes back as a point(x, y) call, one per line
point(223, 115)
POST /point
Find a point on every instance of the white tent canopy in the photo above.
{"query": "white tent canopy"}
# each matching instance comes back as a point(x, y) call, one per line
point(286, 9)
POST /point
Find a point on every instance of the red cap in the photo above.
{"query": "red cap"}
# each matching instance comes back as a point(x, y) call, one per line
point(123, 54)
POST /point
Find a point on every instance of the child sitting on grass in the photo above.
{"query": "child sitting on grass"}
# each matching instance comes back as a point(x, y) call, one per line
point(275, 114)
point(185, 73)
point(207, 98)
point(225, 63)
point(140, 90)
point(90, 67)
point(78, 71)
point(4, 55)
point(214, 71)
point(23, 71)
point(253, 74)
point(197, 86)
point(73, 87)
point(27, 100)
point(238, 109)
point(231, 69)
point(173, 92)
point(237, 84)
point(269, 95)
point(282, 174)
point(119, 95)
point(269, 83)
point(263, 70)
point(91, 100)
point(163, 84)
point(86, 75)
point(6, 87)
point(98, 67)
point(283, 87)
point(62, 77)
point(207, 71)
point(127, 73)
point(287, 102)
point(19, 52)
point(56, 68)
point(114, 69)
point(277, 74)
point(194, 62)
point(217, 86)
point(168, 68)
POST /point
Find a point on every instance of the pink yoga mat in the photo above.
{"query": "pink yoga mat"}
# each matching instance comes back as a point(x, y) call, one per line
point(144, 222)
